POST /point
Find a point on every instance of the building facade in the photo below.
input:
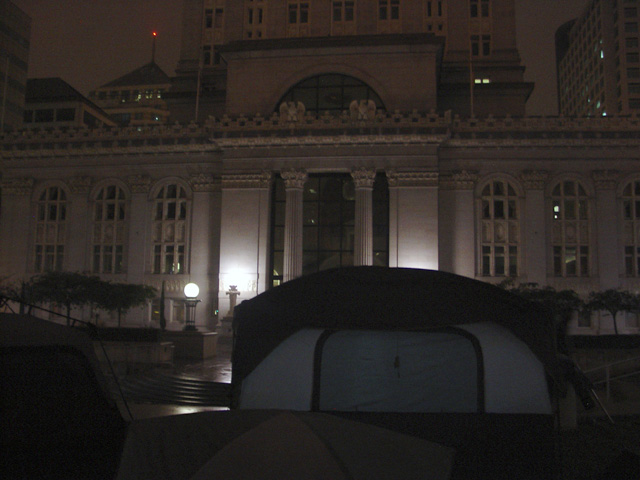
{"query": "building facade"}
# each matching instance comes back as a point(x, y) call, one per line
point(598, 60)
point(459, 55)
point(15, 33)
point(336, 143)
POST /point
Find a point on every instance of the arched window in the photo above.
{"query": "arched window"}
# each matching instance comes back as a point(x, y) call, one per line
point(109, 230)
point(631, 228)
point(169, 234)
point(50, 236)
point(500, 226)
point(571, 230)
point(332, 93)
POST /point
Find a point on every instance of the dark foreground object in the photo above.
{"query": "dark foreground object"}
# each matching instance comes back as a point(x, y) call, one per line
point(58, 421)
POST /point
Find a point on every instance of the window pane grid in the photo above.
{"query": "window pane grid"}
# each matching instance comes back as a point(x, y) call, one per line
point(170, 230)
point(570, 230)
point(50, 230)
point(500, 237)
point(109, 230)
point(631, 228)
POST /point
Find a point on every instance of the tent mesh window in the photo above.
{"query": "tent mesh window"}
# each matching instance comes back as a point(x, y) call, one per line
point(377, 371)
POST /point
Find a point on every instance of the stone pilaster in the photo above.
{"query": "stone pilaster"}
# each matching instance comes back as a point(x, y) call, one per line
point(363, 179)
point(294, 181)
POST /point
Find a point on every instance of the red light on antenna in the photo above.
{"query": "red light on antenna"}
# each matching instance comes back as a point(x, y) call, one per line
point(155, 34)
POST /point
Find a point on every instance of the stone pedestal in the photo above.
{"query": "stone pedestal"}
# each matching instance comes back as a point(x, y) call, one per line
point(193, 344)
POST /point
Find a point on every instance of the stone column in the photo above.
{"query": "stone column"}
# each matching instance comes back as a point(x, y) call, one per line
point(139, 245)
point(457, 240)
point(533, 227)
point(77, 256)
point(294, 185)
point(363, 179)
point(606, 224)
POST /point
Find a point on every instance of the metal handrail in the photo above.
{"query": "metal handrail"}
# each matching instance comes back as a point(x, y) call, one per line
point(607, 371)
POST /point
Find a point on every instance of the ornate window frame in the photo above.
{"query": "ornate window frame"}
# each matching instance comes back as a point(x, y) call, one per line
point(110, 202)
point(171, 205)
point(50, 229)
point(628, 195)
point(499, 209)
point(571, 219)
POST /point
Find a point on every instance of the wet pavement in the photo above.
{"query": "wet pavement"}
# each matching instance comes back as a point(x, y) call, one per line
point(187, 386)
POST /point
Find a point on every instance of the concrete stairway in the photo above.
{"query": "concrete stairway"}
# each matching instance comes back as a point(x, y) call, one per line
point(175, 389)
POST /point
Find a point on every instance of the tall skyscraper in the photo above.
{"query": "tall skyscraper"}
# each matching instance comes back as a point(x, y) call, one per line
point(15, 30)
point(598, 60)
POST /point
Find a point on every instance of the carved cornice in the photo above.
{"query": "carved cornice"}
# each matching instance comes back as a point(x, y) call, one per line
point(363, 177)
point(17, 186)
point(294, 179)
point(605, 179)
point(459, 180)
point(247, 180)
point(80, 185)
point(534, 179)
point(203, 182)
point(139, 183)
point(412, 179)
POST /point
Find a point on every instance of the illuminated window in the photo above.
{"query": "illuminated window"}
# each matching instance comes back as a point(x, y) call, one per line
point(51, 217)
point(500, 227)
point(631, 228)
point(109, 230)
point(570, 230)
point(169, 235)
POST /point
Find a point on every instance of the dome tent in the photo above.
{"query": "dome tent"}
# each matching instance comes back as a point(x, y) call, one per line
point(386, 300)
point(431, 354)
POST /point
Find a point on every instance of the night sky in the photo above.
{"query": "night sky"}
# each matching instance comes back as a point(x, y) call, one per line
point(91, 42)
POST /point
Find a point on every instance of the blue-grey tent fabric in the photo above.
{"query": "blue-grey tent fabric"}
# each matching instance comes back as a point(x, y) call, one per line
point(380, 298)
point(405, 372)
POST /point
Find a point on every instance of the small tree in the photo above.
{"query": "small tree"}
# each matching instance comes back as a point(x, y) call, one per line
point(614, 301)
point(561, 303)
point(65, 289)
point(121, 297)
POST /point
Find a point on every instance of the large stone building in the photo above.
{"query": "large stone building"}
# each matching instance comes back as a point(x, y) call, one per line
point(339, 133)
point(599, 60)
point(15, 33)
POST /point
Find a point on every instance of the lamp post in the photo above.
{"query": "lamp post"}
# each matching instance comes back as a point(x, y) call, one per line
point(191, 301)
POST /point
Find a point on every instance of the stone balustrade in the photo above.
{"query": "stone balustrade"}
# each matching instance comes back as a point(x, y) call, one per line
point(220, 132)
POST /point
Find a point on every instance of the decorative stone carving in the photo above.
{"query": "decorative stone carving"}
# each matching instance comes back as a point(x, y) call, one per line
point(294, 179)
point(80, 185)
point(203, 182)
point(412, 179)
point(292, 111)
point(362, 110)
point(139, 183)
point(458, 180)
point(605, 179)
point(17, 186)
point(247, 180)
point(363, 177)
point(534, 179)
